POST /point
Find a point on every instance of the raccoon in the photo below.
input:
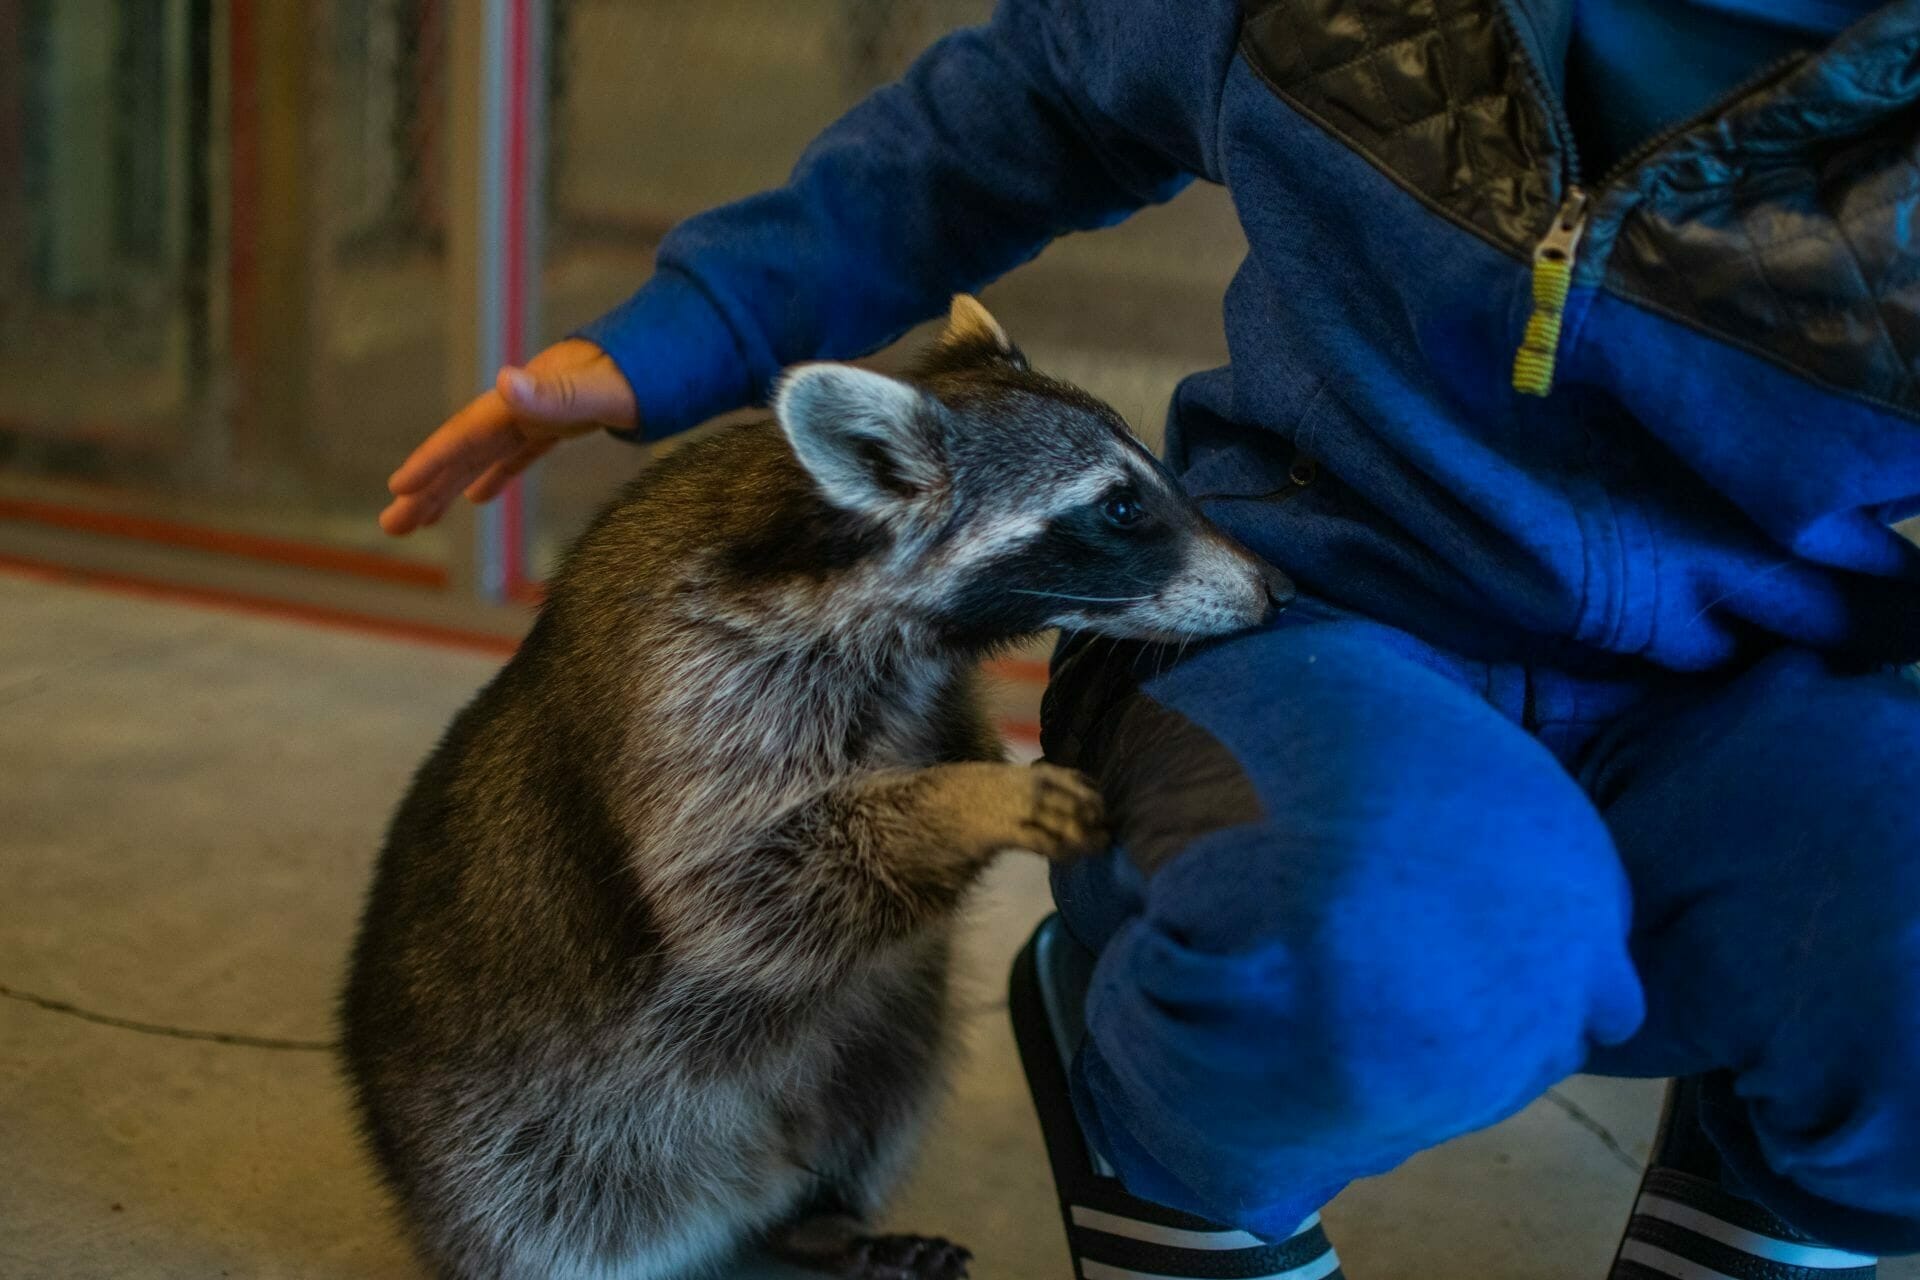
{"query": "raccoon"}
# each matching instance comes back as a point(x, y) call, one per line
point(654, 964)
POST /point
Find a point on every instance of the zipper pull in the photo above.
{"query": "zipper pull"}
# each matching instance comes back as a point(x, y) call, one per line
point(1552, 273)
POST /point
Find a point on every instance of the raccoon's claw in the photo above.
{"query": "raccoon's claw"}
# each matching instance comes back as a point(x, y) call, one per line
point(1068, 819)
point(906, 1258)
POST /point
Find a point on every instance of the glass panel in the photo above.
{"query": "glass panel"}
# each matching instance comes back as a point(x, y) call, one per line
point(222, 266)
point(664, 108)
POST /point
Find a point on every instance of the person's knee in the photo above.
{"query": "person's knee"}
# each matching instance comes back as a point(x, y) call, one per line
point(1417, 918)
point(1362, 913)
point(1374, 1013)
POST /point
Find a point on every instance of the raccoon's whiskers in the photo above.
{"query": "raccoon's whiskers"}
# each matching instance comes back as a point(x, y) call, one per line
point(1166, 655)
point(1060, 595)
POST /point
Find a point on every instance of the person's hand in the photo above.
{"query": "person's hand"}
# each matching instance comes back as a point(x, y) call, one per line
point(570, 389)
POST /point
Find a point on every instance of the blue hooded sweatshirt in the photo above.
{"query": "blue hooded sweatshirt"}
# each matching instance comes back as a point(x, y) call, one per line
point(1664, 414)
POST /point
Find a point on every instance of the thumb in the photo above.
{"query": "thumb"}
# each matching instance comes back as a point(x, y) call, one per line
point(555, 396)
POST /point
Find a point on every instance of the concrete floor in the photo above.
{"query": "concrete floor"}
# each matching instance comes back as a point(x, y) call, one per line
point(192, 800)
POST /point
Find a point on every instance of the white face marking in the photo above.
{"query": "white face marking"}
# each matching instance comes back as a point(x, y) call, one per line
point(1219, 589)
point(990, 540)
point(1145, 474)
point(1090, 486)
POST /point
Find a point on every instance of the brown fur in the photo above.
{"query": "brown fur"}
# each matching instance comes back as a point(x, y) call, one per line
point(655, 962)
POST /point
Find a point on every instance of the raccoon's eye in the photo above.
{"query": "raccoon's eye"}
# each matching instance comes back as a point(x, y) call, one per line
point(1123, 511)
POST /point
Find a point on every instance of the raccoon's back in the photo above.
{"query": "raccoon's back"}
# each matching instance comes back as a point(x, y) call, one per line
point(736, 504)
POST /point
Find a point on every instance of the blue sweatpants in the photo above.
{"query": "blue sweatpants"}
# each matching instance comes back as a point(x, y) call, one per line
point(1367, 896)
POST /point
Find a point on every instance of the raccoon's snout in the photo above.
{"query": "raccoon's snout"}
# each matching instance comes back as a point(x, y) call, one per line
point(1248, 591)
point(1266, 592)
point(1219, 589)
point(1279, 589)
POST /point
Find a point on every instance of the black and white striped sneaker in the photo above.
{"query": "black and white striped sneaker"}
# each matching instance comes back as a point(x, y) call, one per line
point(1114, 1235)
point(1685, 1226)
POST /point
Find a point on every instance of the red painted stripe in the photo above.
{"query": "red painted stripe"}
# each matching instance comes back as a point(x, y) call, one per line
point(227, 542)
point(1022, 732)
point(517, 268)
point(259, 606)
point(1018, 670)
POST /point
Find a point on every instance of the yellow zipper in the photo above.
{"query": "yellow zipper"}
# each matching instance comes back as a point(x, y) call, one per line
point(1552, 273)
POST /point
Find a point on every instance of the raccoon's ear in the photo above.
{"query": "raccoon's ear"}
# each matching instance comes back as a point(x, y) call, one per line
point(971, 325)
point(872, 443)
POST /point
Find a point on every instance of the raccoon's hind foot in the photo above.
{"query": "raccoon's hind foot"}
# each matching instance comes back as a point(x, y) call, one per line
point(836, 1246)
point(905, 1258)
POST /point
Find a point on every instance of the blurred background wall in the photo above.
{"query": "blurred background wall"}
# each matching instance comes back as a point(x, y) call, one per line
point(239, 240)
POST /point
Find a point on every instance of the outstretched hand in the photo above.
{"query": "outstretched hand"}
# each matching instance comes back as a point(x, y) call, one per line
point(568, 390)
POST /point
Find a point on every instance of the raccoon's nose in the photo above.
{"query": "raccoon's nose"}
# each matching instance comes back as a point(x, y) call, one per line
point(1280, 589)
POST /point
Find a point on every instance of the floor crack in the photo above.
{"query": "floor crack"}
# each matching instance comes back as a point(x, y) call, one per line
point(162, 1029)
point(1580, 1116)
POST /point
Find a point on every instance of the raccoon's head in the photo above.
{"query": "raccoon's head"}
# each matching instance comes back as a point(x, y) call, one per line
point(1013, 502)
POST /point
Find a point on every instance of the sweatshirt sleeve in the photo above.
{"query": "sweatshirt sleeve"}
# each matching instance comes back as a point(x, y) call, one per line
point(1056, 115)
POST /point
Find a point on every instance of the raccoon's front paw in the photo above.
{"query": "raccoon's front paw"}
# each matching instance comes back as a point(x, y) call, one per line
point(1068, 817)
point(980, 810)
